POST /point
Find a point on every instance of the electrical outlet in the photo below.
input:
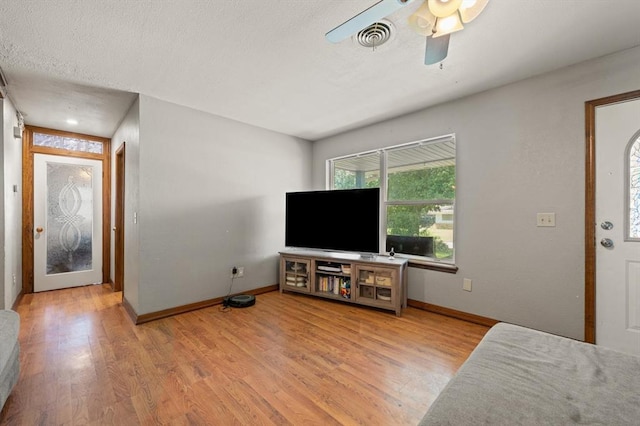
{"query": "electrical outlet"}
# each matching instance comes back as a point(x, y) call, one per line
point(546, 219)
point(466, 284)
point(237, 272)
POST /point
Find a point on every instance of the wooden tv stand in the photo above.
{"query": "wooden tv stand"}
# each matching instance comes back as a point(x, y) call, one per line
point(379, 281)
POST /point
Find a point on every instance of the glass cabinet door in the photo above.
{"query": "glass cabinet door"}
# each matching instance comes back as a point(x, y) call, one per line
point(296, 275)
point(375, 285)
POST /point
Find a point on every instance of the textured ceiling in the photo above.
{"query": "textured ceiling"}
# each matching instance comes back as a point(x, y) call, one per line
point(267, 63)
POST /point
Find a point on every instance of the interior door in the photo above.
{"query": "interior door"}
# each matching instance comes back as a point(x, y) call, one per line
point(618, 253)
point(67, 222)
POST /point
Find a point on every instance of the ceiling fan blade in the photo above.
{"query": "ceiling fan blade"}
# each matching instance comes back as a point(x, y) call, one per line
point(365, 18)
point(436, 50)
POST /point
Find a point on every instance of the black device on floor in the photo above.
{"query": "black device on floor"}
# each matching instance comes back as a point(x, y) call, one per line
point(239, 301)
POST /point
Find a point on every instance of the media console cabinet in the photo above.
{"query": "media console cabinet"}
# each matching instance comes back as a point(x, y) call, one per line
point(379, 281)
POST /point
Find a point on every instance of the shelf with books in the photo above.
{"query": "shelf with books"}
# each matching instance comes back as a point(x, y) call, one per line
point(338, 286)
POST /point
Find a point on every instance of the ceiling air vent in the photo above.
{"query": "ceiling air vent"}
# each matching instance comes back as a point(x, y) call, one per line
point(375, 34)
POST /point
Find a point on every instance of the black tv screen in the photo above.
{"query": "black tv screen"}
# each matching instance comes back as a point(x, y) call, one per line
point(340, 220)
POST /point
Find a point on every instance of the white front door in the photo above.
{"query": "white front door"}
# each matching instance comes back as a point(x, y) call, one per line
point(67, 222)
point(617, 204)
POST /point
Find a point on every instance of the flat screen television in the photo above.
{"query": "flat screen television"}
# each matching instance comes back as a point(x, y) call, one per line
point(339, 220)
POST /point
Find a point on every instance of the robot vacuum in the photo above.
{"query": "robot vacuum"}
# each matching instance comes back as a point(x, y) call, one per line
point(239, 301)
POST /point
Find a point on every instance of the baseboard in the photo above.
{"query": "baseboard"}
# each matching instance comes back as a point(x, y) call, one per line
point(152, 316)
point(476, 319)
point(18, 299)
point(129, 309)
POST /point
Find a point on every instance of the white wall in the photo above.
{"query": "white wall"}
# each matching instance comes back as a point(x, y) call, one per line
point(520, 151)
point(12, 206)
point(128, 132)
point(211, 194)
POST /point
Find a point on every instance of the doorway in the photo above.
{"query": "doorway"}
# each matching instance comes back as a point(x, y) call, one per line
point(66, 180)
point(118, 229)
point(612, 270)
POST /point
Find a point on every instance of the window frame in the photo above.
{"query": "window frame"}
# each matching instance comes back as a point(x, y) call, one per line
point(422, 262)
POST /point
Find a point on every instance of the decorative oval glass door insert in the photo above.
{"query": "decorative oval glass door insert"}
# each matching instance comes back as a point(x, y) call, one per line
point(69, 217)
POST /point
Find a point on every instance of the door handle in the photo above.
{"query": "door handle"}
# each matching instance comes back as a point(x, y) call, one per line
point(39, 229)
point(606, 242)
point(606, 225)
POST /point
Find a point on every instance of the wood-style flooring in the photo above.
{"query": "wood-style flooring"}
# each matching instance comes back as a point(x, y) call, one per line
point(289, 359)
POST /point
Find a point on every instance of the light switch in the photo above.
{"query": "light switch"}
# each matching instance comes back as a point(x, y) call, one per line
point(546, 219)
point(466, 284)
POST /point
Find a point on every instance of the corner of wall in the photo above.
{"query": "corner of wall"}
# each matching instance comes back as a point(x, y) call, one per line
point(11, 207)
point(129, 132)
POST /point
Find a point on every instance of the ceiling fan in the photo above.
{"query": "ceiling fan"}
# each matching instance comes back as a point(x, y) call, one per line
point(435, 19)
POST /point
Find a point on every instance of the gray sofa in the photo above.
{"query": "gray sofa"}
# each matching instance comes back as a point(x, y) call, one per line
point(9, 353)
point(518, 376)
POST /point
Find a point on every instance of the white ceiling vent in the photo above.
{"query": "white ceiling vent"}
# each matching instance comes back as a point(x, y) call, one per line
point(375, 34)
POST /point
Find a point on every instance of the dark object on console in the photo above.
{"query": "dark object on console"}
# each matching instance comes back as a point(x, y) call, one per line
point(419, 246)
point(239, 301)
point(340, 220)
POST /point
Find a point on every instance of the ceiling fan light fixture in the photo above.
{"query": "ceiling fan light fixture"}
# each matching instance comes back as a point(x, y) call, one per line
point(470, 9)
point(448, 25)
point(434, 19)
point(436, 49)
point(443, 8)
point(422, 20)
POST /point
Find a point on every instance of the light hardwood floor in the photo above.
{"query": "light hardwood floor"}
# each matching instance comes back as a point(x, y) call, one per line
point(289, 359)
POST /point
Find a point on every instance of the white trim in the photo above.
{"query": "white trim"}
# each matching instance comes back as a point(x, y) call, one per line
point(382, 243)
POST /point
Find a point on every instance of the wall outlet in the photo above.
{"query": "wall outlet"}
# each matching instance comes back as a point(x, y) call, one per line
point(237, 272)
point(546, 219)
point(466, 284)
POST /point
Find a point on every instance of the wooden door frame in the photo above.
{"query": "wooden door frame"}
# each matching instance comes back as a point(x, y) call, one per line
point(28, 151)
point(118, 237)
point(590, 209)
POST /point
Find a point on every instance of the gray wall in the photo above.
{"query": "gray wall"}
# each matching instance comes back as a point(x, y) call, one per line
point(128, 132)
point(520, 151)
point(11, 208)
point(211, 196)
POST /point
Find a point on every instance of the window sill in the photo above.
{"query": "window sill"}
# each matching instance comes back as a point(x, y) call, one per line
point(448, 268)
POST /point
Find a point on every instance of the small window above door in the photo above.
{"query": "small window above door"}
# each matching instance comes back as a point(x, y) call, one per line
point(68, 143)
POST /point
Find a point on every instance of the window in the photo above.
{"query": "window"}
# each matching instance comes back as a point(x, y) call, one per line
point(633, 202)
point(66, 142)
point(358, 171)
point(417, 182)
